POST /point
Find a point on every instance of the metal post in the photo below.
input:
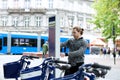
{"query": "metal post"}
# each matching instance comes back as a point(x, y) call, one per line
point(114, 51)
point(39, 42)
point(57, 36)
point(9, 43)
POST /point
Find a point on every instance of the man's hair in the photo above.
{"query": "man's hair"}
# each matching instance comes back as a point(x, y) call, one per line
point(79, 29)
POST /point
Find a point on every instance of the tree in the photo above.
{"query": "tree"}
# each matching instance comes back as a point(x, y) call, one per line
point(107, 17)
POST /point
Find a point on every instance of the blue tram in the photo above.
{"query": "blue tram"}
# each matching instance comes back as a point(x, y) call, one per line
point(17, 43)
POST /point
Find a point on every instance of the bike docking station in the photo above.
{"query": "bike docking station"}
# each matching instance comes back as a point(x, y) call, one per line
point(53, 40)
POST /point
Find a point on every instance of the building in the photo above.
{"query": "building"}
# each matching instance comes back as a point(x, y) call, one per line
point(22, 14)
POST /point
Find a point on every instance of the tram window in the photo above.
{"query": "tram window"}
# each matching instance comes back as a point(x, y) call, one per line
point(60, 49)
point(15, 42)
point(42, 42)
point(24, 42)
point(5, 41)
point(27, 42)
point(0, 44)
point(33, 42)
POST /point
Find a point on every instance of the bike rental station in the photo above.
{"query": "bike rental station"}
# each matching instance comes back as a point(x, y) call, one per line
point(47, 69)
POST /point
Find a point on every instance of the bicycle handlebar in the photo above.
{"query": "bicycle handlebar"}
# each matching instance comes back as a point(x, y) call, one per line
point(96, 65)
point(60, 61)
point(55, 60)
point(63, 67)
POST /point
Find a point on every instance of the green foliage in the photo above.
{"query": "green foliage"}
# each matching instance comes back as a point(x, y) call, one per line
point(107, 16)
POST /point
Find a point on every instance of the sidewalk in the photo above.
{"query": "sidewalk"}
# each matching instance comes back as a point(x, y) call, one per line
point(108, 60)
point(103, 59)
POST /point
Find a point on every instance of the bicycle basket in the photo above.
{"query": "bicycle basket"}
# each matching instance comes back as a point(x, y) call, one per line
point(33, 73)
point(12, 69)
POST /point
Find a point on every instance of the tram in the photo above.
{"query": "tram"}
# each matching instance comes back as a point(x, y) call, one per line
point(17, 43)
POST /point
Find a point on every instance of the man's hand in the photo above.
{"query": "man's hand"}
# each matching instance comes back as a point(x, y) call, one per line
point(62, 54)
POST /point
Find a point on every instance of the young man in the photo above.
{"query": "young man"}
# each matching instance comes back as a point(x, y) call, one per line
point(77, 47)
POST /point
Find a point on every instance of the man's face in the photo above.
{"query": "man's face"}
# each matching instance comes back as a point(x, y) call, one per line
point(75, 34)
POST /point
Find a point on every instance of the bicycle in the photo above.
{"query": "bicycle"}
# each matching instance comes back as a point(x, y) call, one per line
point(46, 71)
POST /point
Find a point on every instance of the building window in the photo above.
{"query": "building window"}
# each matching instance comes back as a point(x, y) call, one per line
point(38, 21)
point(16, 4)
point(50, 3)
point(71, 20)
point(15, 21)
point(38, 3)
point(4, 20)
point(62, 22)
point(26, 21)
point(88, 24)
point(80, 21)
point(4, 4)
point(27, 4)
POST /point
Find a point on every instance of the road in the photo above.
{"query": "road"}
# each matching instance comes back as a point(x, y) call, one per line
point(113, 74)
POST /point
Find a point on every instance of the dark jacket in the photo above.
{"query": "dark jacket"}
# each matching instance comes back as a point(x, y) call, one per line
point(77, 49)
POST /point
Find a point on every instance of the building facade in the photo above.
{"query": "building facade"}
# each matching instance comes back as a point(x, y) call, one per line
point(29, 14)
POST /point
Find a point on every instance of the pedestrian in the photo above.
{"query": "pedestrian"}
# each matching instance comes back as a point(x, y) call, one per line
point(77, 47)
point(108, 51)
point(101, 51)
point(104, 51)
point(45, 48)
